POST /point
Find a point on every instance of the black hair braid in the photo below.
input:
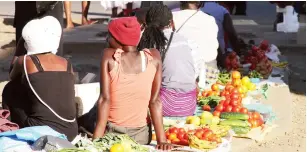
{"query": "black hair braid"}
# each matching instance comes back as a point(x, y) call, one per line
point(157, 17)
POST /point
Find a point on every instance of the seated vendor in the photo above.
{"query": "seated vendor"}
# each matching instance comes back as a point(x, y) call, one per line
point(47, 81)
point(130, 83)
point(178, 90)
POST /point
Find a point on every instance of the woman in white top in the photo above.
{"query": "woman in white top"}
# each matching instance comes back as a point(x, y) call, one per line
point(199, 27)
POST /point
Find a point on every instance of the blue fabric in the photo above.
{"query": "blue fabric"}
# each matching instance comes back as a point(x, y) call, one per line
point(30, 134)
point(217, 11)
point(23, 138)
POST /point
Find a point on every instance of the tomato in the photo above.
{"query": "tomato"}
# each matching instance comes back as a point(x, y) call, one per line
point(240, 89)
point(234, 102)
point(173, 130)
point(235, 109)
point(201, 131)
point(228, 108)
point(175, 141)
point(226, 103)
point(219, 108)
point(229, 88)
point(210, 93)
point(222, 102)
point(186, 136)
point(180, 135)
point(198, 135)
point(223, 93)
point(184, 142)
point(234, 91)
point(172, 136)
point(181, 130)
point(207, 134)
point(215, 87)
point(204, 93)
point(243, 95)
point(167, 134)
point(227, 93)
point(213, 138)
point(235, 74)
point(254, 123)
point(234, 96)
point(256, 116)
point(217, 113)
point(206, 108)
point(204, 138)
point(244, 110)
point(260, 122)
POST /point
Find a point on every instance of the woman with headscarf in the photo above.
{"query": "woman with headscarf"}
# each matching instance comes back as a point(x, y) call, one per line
point(179, 75)
point(47, 81)
point(130, 79)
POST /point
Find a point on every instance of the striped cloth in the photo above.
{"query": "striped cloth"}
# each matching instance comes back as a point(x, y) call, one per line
point(178, 104)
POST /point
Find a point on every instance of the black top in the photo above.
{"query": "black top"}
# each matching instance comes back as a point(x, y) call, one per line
point(56, 89)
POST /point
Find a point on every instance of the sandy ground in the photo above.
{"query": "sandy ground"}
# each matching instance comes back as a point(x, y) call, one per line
point(291, 141)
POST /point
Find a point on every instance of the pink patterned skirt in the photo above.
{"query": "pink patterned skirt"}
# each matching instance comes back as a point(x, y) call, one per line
point(178, 104)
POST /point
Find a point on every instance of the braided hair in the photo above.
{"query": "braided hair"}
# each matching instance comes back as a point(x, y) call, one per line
point(157, 18)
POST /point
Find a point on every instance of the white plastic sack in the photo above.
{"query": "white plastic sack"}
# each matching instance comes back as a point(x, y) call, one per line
point(89, 94)
point(273, 53)
point(290, 22)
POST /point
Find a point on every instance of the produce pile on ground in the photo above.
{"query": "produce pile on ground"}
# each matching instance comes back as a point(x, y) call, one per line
point(109, 143)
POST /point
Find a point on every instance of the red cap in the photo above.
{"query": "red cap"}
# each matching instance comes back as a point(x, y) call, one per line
point(126, 30)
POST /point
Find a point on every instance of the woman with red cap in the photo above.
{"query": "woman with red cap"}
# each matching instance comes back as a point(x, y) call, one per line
point(130, 84)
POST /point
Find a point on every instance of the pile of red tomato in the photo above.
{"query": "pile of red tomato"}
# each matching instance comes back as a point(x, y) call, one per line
point(255, 119)
point(181, 137)
point(177, 136)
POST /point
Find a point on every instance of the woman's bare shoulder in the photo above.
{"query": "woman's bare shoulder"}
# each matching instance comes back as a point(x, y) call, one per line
point(155, 54)
point(108, 53)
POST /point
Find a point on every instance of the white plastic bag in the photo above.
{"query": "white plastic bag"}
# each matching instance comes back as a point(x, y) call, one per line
point(273, 53)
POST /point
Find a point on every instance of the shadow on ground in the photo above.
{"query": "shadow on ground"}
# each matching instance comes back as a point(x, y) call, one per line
point(8, 21)
point(297, 67)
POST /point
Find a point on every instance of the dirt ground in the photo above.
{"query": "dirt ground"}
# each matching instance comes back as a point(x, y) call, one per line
point(292, 141)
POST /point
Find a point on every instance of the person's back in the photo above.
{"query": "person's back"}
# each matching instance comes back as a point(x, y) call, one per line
point(218, 12)
point(199, 27)
point(48, 80)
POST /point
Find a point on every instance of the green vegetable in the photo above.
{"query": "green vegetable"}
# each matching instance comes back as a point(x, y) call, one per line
point(73, 150)
point(224, 77)
point(231, 123)
point(212, 101)
point(240, 130)
point(255, 74)
point(234, 115)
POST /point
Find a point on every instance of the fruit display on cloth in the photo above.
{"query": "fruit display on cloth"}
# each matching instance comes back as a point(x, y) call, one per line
point(180, 136)
point(237, 121)
point(206, 118)
point(232, 62)
point(259, 62)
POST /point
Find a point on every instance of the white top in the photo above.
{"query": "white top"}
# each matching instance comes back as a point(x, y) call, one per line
point(201, 28)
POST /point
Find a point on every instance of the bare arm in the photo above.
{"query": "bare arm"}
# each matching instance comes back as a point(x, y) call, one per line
point(19, 51)
point(17, 68)
point(155, 105)
point(104, 98)
point(230, 30)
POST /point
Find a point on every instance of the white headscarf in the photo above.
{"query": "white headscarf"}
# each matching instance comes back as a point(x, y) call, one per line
point(42, 35)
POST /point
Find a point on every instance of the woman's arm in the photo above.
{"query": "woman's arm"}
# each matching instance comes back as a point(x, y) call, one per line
point(155, 105)
point(17, 68)
point(104, 98)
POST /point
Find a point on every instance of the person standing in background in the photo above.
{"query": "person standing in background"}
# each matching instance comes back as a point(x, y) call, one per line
point(28, 10)
point(85, 8)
